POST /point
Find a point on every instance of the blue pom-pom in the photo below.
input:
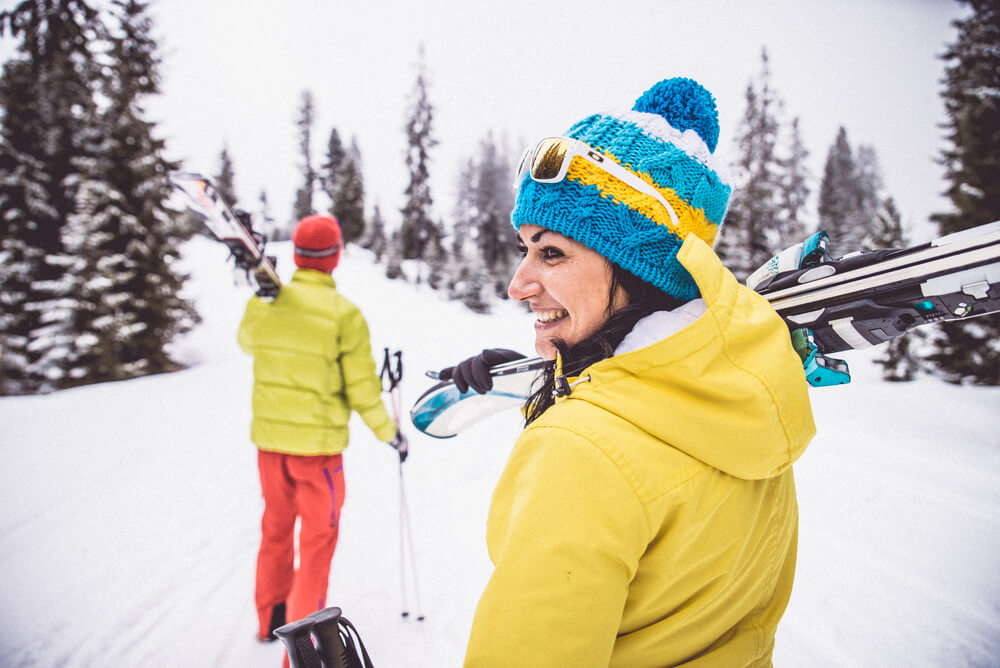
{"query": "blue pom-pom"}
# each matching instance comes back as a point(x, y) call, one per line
point(686, 105)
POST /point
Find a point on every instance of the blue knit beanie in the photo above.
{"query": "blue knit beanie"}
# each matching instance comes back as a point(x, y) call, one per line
point(668, 139)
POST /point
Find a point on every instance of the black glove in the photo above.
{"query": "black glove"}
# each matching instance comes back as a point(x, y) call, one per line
point(475, 371)
point(401, 446)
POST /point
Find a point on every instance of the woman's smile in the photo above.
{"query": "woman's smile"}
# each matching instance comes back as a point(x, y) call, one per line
point(565, 283)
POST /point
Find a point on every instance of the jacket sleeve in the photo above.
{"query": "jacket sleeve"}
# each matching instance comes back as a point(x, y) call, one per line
point(565, 534)
point(362, 386)
point(251, 316)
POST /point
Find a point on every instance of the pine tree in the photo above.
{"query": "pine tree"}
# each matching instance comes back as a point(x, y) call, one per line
point(794, 190)
point(436, 258)
point(752, 230)
point(464, 252)
point(268, 225)
point(417, 230)
point(870, 200)
point(348, 190)
point(465, 212)
point(898, 360)
point(840, 197)
point(375, 240)
point(225, 180)
point(494, 199)
point(330, 168)
point(48, 131)
point(122, 242)
point(970, 351)
point(304, 195)
point(394, 257)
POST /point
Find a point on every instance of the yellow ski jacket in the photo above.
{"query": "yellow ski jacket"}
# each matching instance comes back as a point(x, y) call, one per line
point(312, 366)
point(649, 518)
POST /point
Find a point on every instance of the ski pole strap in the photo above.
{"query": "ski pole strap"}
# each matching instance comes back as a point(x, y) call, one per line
point(297, 637)
point(356, 656)
point(390, 372)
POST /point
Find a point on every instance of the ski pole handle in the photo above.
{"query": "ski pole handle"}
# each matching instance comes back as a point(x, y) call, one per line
point(297, 637)
point(326, 630)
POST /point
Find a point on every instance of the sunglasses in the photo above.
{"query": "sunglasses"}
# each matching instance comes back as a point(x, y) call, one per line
point(548, 162)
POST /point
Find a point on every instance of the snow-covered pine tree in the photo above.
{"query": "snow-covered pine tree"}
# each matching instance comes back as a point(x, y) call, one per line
point(268, 225)
point(794, 189)
point(751, 234)
point(437, 259)
point(122, 241)
point(394, 257)
point(898, 361)
point(465, 213)
point(463, 251)
point(494, 198)
point(348, 194)
point(417, 228)
point(328, 171)
point(47, 98)
point(225, 180)
point(871, 201)
point(970, 351)
point(840, 197)
point(304, 195)
point(374, 239)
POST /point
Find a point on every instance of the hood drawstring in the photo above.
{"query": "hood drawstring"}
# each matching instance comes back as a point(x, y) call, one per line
point(563, 388)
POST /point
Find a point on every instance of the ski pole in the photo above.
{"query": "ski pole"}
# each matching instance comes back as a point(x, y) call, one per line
point(406, 532)
point(394, 374)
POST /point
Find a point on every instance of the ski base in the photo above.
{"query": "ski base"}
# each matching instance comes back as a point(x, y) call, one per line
point(443, 411)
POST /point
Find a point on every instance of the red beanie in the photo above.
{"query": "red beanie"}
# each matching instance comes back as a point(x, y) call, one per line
point(317, 243)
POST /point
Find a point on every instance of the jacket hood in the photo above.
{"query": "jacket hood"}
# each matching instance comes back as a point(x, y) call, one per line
point(727, 389)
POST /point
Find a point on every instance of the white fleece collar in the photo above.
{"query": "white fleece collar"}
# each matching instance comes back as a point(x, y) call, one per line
point(659, 325)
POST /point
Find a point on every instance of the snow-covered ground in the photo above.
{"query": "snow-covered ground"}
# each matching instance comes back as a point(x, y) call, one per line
point(129, 511)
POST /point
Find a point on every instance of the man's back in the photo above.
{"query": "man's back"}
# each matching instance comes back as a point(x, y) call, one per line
point(312, 366)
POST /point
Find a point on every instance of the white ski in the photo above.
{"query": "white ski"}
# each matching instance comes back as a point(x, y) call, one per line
point(830, 305)
point(247, 248)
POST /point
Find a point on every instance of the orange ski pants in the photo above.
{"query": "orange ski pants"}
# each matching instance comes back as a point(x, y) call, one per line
point(310, 488)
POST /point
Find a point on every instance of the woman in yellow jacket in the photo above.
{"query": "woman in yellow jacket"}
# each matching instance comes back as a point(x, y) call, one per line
point(312, 367)
point(647, 514)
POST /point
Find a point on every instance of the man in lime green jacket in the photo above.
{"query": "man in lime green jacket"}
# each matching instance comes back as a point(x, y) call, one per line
point(313, 366)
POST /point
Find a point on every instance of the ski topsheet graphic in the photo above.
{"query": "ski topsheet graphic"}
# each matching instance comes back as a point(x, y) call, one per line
point(246, 246)
point(830, 305)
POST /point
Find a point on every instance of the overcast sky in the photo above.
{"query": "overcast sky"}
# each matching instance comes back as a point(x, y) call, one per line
point(233, 72)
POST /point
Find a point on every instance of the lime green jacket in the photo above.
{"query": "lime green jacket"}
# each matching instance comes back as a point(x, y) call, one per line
point(312, 365)
point(649, 518)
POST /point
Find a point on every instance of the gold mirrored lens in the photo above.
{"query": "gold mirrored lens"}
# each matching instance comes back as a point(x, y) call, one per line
point(549, 158)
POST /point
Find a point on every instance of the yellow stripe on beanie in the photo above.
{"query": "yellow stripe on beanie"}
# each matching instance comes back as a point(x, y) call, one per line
point(691, 220)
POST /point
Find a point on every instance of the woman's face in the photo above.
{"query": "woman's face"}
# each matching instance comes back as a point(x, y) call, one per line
point(566, 285)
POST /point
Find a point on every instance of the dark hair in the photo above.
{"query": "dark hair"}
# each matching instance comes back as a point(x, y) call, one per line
point(643, 299)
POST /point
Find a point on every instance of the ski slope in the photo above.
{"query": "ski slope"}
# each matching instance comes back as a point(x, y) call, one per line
point(130, 510)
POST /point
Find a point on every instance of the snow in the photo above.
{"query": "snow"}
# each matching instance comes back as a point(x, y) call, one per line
point(130, 515)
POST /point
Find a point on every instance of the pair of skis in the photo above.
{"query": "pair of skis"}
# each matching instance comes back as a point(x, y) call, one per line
point(830, 305)
point(232, 228)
